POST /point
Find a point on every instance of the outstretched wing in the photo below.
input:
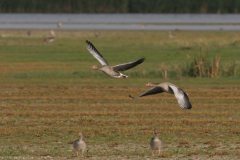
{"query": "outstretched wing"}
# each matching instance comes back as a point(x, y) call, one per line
point(95, 53)
point(154, 90)
point(181, 97)
point(126, 66)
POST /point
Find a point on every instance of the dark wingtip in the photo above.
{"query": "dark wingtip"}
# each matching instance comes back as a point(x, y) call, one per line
point(143, 59)
point(189, 106)
point(131, 96)
point(87, 42)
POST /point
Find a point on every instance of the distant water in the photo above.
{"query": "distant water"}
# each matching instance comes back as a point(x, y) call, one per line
point(122, 21)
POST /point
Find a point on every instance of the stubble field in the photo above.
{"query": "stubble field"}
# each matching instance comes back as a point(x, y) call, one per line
point(48, 93)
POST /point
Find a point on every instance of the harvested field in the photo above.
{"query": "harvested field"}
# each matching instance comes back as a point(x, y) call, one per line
point(45, 99)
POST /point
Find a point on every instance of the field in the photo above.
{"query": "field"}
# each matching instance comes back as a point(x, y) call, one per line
point(48, 93)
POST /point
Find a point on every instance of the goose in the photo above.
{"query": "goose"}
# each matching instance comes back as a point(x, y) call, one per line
point(49, 39)
point(156, 143)
point(112, 71)
point(170, 34)
point(59, 24)
point(97, 34)
point(52, 33)
point(168, 87)
point(143, 25)
point(29, 33)
point(79, 145)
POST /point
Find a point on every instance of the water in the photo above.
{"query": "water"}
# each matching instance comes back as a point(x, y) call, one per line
point(122, 21)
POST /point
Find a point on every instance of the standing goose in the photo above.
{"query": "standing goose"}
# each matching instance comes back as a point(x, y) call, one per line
point(111, 71)
point(180, 95)
point(156, 143)
point(79, 145)
point(170, 34)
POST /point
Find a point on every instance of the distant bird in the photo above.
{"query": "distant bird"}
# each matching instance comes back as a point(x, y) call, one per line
point(170, 34)
point(79, 145)
point(29, 33)
point(156, 143)
point(143, 25)
point(111, 71)
point(48, 39)
point(180, 95)
point(97, 34)
point(52, 33)
point(59, 24)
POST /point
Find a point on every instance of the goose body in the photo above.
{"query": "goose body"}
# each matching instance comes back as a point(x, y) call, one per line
point(59, 24)
point(29, 33)
point(52, 33)
point(170, 34)
point(79, 145)
point(49, 39)
point(180, 95)
point(112, 71)
point(156, 143)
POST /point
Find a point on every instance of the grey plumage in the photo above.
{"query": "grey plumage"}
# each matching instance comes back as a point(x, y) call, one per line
point(29, 33)
point(79, 145)
point(49, 39)
point(111, 71)
point(156, 143)
point(180, 95)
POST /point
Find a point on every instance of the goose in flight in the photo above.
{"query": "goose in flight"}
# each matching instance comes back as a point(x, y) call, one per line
point(180, 95)
point(156, 143)
point(79, 145)
point(112, 71)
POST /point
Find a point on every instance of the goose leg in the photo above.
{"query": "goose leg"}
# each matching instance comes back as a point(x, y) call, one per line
point(77, 154)
point(159, 152)
point(152, 153)
point(82, 153)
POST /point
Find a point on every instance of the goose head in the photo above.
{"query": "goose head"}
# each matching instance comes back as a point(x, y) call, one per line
point(95, 67)
point(150, 84)
point(156, 132)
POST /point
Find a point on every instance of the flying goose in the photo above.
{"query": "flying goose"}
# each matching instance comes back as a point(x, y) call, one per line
point(156, 143)
point(114, 70)
point(79, 145)
point(180, 95)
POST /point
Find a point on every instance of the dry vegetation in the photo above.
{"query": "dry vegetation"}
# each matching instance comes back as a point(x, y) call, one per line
point(41, 120)
point(41, 115)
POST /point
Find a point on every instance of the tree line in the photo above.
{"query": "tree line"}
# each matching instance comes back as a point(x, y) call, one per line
point(119, 6)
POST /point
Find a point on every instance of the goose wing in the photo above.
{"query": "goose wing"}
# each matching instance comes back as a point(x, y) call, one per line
point(95, 53)
point(126, 66)
point(154, 90)
point(181, 97)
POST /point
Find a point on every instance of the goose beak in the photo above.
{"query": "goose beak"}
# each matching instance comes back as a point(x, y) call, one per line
point(147, 84)
point(92, 67)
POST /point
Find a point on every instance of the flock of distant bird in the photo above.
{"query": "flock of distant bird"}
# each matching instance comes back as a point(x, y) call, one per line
point(48, 39)
point(114, 71)
point(97, 34)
